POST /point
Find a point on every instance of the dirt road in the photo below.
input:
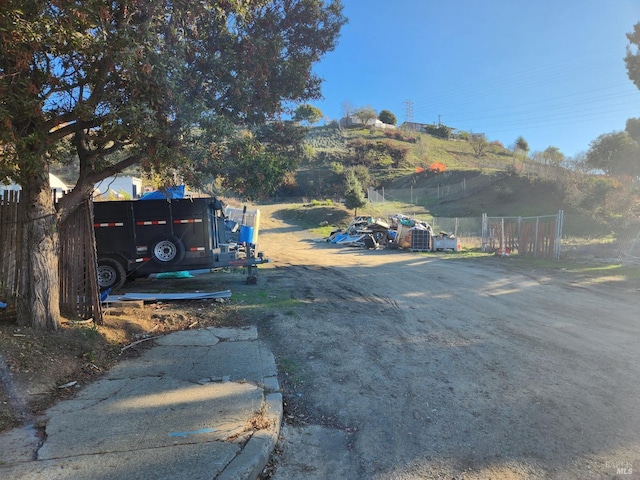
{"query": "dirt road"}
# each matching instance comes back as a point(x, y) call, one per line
point(400, 365)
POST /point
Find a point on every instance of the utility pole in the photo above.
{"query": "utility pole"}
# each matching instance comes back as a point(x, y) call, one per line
point(439, 122)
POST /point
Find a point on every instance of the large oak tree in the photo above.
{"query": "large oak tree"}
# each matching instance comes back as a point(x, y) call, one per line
point(161, 84)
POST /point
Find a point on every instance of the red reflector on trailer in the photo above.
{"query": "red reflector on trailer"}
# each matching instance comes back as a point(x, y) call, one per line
point(108, 224)
point(152, 222)
point(188, 220)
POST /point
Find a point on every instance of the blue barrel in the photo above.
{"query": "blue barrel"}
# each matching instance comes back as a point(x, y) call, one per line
point(246, 234)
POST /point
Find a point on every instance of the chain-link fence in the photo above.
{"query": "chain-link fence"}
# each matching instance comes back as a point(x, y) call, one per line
point(632, 253)
point(546, 236)
point(424, 195)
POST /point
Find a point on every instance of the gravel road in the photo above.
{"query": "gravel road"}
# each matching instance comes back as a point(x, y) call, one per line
point(399, 365)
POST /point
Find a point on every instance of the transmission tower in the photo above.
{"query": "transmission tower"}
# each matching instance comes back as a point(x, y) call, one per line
point(408, 111)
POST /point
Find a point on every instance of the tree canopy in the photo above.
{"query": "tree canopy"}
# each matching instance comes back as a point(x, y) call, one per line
point(136, 82)
point(521, 144)
point(615, 153)
point(354, 195)
point(307, 113)
point(387, 117)
point(366, 115)
point(479, 144)
point(632, 58)
point(552, 156)
point(167, 85)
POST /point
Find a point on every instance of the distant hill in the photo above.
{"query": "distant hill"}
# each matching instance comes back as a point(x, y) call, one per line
point(330, 141)
point(497, 182)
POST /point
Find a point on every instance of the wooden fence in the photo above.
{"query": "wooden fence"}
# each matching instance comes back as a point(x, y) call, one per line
point(79, 293)
point(10, 240)
point(527, 236)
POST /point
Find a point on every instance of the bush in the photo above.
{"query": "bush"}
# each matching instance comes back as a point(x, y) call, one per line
point(439, 131)
point(322, 203)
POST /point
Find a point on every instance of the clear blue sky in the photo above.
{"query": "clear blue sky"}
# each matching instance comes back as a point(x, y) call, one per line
point(549, 70)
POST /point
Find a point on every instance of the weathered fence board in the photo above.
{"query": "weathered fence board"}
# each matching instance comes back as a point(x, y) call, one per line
point(10, 239)
point(79, 294)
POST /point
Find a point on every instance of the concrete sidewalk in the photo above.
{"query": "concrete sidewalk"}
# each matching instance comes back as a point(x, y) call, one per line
point(201, 404)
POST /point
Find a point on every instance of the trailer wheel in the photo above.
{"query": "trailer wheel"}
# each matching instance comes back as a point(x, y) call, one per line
point(167, 250)
point(111, 274)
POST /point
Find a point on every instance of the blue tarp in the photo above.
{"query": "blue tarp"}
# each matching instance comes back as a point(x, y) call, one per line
point(171, 192)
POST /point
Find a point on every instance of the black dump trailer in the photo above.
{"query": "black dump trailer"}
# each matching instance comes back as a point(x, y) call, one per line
point(141, 237)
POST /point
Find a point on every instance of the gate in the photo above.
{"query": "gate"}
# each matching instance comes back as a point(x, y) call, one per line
point(538, 237)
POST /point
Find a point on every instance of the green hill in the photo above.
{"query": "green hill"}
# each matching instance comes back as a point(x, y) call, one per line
point(497, 182)
point(423, 149)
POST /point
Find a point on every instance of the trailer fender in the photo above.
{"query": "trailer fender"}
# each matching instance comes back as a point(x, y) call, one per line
point(167, 250)
point(111, 273)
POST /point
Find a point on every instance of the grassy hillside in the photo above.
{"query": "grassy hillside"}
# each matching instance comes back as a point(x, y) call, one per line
point(423, 149)
point(497, 183)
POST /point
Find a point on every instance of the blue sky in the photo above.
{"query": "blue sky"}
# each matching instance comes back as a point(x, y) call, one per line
point(549, 70)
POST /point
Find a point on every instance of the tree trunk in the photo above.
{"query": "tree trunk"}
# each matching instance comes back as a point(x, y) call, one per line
point(38, 303)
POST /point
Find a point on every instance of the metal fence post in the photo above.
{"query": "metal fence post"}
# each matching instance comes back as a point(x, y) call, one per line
point(485, 232)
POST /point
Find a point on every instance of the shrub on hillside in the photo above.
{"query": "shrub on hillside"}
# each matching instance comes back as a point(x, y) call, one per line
point(401, 137)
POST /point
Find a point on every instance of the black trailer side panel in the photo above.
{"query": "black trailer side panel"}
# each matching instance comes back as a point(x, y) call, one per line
point(156, 235)
point(114, 228)
point(152, 220)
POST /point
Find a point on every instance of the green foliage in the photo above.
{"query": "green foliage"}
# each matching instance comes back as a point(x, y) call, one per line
point(632, 127)
point(596, 191)
point(337, 167)
point(552, 156)
point(363, 152)
point(632, 58)
point(361, 173)
point(479, 144)
point(328, 202)
point(398, 153)
point(253, 164)
point(400, 136)
point(149, 83)
point(387, 117)
point(307, 113)
point(329, 138)
point(354, 195)
point(615, 153)
point(366, 115)
point(521, 144)
point(439, 131)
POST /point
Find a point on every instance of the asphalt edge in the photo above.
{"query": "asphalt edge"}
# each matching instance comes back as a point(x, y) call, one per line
point(254, 456)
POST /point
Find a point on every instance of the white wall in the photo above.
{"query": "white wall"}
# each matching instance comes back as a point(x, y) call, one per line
point(131, 186)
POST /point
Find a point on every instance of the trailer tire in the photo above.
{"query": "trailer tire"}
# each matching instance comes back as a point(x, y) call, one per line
point(111, 274)
point(168, 250)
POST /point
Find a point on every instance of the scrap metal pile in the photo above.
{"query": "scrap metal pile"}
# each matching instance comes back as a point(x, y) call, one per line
point(399, 231)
